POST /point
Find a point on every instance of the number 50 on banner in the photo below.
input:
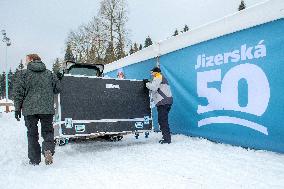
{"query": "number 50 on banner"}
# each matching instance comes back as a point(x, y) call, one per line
point(228, 98)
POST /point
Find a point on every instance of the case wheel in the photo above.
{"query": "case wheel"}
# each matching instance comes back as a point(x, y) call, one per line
point(136, 135)
point(119, 137)
point(113, 138)
point(61, 141)
point(147, 134)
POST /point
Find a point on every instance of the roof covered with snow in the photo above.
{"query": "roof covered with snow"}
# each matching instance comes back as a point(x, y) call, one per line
point(261, 13)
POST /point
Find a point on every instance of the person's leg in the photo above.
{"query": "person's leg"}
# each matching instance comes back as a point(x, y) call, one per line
point(168, 126)
point(32, 134)
point(163, 112)
point(47, 132)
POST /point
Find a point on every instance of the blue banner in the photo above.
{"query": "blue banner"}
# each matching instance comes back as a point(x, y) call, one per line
point(231, 89)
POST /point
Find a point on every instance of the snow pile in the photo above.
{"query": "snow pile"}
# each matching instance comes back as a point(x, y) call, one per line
point(3, 104)
point(130, 163)
point(4, 101)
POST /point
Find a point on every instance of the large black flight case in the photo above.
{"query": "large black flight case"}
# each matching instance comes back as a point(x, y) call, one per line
point(91, 106)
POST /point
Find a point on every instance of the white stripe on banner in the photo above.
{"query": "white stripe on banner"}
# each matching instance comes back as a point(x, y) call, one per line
point(233, 120)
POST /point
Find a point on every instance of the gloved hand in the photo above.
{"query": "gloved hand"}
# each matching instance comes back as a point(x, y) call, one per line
point(145, 81)
point(18, 115)
point(59, 75)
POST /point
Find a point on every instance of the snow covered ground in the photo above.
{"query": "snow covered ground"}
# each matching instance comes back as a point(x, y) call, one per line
point(130, 163)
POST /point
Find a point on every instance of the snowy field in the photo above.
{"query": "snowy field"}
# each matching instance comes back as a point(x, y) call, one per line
point(143, 163)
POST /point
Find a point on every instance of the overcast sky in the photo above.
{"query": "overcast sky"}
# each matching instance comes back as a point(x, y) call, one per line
point(41, 26)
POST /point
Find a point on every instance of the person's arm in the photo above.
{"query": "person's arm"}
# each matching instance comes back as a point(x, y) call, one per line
point(19, 91)
point(154, 85)
point(56, 83)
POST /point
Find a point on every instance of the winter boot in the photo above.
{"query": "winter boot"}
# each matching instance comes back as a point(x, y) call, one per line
point(164, 141)
point(48, 157)
point(33, 163)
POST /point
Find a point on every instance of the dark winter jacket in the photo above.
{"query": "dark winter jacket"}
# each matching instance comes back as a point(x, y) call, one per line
point(34, 90)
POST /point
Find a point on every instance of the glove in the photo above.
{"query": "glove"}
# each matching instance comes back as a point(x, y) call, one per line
point(59, 75)
point(18, 115)
point(145, 81)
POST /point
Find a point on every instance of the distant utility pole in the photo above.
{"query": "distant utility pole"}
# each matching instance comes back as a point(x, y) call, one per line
point(7, 41)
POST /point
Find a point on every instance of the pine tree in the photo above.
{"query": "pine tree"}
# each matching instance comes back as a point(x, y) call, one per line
point(131, 51)
point(21, 65)
point(91, 58)
point(10, 84)
point(68, 54)
point(135, 47)
point(185, 29)
point(1, 85)
point(109, 55)
point(140, 47)
point(242, 6)
point(56, 66)
point(175, 33)
point(119, 51)
point(148, 42)
point(16, 75)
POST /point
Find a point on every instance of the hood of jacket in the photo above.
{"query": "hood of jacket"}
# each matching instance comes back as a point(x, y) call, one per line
point(36, 66)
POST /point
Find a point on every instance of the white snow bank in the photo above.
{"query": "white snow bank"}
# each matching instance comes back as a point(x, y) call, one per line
point(3, 104)
point(4, 101)
point(143, 163)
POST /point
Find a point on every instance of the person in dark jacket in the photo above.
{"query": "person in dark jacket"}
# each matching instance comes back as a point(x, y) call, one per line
point(34, 98)
point(163, 99)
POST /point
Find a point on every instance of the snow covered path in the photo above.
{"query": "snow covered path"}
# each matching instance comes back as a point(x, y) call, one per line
point(143, 163)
